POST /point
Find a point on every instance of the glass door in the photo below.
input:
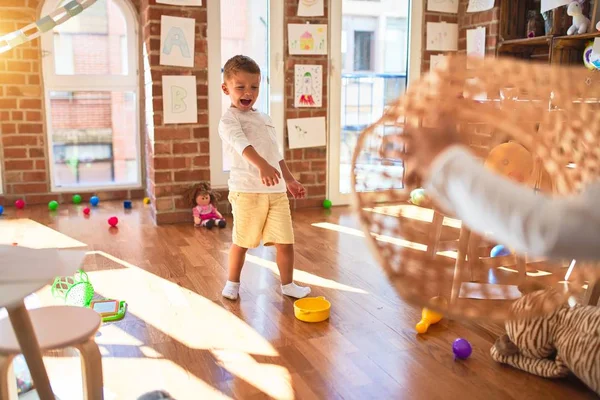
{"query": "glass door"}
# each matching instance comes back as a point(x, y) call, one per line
point(253, 28)
point(371, 61)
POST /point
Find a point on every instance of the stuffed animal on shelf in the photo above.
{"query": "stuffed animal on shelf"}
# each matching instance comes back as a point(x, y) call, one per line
point(580, 21)
point(204, 203)
point(566, 340)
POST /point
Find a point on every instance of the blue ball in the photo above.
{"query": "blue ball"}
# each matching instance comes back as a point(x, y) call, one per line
point(94, 201)
point(499, 251)
point(1, 210)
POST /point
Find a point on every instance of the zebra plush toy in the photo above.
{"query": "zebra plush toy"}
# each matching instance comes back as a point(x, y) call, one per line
point(552, 345)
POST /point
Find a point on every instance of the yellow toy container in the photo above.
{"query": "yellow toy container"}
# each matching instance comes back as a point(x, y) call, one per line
point(312, 309)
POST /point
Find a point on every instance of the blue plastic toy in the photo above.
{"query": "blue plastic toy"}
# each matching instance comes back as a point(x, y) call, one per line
point(1, 210)
point(127, 204)
point(499, 251)
point(94, 201)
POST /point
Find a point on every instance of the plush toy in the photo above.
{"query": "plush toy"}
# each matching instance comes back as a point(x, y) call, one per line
point(566, 340)
point(580, 21)
point(204, 203)
point(511, 160)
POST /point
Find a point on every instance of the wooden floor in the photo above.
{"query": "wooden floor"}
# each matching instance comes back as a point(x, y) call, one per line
point(182, 336)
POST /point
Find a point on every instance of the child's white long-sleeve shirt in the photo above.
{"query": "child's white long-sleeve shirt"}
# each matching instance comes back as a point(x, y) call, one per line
point(560, 228)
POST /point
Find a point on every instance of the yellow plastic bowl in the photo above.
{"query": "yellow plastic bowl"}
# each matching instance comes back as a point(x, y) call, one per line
point(312, 309)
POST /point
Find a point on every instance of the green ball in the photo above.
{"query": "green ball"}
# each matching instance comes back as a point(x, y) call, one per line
point(76, 199)
point(53, 205)
point(418, 196)
point(418, 199)
point(327, 203)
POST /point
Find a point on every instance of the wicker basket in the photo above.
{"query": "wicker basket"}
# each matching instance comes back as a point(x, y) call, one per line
point(553, 111)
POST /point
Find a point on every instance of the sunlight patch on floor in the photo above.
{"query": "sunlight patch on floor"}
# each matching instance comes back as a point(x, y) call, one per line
point(381, 238)
point(303, 276)
point(178, 312)
point(129, 378)
point(359, 233)
point(29, 233)
point(529, 273)
point(412, 212)
point(260, 375)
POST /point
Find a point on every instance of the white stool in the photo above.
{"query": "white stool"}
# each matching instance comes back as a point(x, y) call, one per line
point(56, 328)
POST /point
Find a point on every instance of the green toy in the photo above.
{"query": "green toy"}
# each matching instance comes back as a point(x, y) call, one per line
point(53, 205)
point(76, 290)
point(110, 310)
point(327, 204)
point(76, 199)
point(119, 315)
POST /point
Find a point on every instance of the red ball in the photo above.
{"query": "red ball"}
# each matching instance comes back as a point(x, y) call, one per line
point(86, 211)
point(20, 204)
point(113, 221)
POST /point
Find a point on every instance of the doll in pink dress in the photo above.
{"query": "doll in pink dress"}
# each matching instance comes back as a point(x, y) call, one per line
point(204, 201)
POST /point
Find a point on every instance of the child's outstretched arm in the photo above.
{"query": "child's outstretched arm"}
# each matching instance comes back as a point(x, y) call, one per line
point(517, 217)
point(295, 187)
point(231, 133)
point(564, 228)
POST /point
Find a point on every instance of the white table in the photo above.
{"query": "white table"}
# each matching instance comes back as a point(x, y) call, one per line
point(24, 271)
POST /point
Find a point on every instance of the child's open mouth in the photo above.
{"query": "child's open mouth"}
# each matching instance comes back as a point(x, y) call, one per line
point(245, 102)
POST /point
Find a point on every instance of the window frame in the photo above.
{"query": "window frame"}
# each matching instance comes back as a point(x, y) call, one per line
point(129, 82)
point(218, 177)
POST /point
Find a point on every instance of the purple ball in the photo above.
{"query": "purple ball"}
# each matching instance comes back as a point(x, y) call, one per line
point(462, 348)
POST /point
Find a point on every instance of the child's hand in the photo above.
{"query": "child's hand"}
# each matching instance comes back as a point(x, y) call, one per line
point(296, 189)
point(269, 175)
point(421, 149)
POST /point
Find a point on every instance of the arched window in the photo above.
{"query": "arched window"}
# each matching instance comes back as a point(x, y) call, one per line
point(91, 84)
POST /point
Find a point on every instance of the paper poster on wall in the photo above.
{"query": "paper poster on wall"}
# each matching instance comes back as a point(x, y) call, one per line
point(548, 5)
point(191, 3)
point(475, 43)
point(311, 8)
point(442, 36)
point(179, 99)
point(306, 132)
point(307, 39)
point(436, 60)
point(445, 6)
point(308, 85)
point(480, 5)
point(177, 41)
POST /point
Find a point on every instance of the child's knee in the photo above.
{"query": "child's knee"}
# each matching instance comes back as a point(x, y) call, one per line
point(286, 247)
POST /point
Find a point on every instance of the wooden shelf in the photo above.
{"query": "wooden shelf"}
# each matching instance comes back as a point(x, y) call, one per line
point(526, 45)
point(584, 36)
point(534, 41)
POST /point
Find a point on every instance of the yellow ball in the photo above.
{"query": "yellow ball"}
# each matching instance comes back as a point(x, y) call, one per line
point(146, 200)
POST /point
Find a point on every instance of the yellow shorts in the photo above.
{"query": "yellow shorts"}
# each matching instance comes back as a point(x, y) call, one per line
point(259, 216)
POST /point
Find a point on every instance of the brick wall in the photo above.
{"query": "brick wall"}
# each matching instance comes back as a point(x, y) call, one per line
point(481, 137)
point(308, 165)
point(487, 19)
point(24, 154)
point(429, 16)
point(177, 156)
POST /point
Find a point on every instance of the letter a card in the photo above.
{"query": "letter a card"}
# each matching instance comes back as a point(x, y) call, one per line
point(179, 99)
point(177, 41)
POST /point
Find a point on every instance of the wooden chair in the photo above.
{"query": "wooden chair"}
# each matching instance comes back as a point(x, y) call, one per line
point(56, 327)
